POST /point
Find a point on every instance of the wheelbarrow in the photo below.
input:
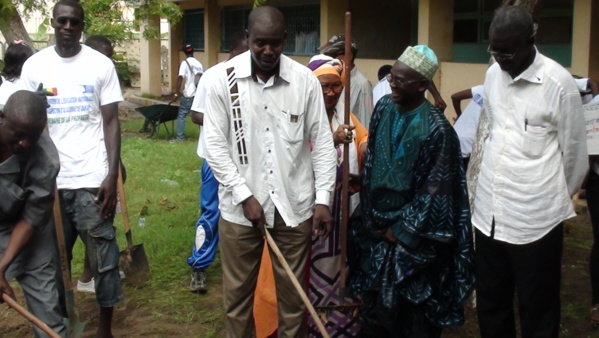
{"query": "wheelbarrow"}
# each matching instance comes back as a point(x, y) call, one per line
point(156, 115)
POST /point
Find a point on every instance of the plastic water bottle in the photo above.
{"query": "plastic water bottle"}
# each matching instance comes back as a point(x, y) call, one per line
point(141, 222)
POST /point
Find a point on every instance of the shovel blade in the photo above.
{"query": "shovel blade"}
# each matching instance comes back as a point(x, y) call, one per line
point(74, 327)
point(134, 264)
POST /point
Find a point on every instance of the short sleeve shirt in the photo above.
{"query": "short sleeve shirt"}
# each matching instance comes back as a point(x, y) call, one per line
point(188, 72)
point(80, 85)
point(27, 183)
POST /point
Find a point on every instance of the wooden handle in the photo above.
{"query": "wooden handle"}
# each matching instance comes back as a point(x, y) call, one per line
point(124, 210)
point(296, 284)
point(29, 316)
point(345, 166)
point(62, 250)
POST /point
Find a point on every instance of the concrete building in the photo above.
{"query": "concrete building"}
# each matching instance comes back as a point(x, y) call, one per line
point(456, 29)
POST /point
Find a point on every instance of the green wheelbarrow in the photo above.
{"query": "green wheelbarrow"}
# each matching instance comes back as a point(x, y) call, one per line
point(156, 115)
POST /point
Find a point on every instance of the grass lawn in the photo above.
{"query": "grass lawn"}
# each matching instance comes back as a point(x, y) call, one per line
point(165, 307)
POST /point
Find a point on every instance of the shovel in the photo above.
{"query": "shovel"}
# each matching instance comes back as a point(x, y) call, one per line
point(133, 259)
point(296, 284)
point(29, 316)
point(74, 325)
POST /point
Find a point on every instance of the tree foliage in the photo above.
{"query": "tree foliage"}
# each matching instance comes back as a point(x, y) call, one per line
point(258, 3)
point(117, 20)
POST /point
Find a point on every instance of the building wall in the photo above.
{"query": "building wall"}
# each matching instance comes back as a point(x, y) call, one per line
point(395, 30)
point(395, 23)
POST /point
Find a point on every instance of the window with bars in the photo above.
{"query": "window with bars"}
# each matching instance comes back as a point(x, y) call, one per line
point(193, 29)
point(301, 22)
point(472, 19)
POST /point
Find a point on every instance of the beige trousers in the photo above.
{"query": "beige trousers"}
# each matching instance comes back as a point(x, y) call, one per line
point(241, 250)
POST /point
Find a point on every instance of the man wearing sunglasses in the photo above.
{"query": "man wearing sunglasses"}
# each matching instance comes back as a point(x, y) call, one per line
point(533, 162)
point(83, 124)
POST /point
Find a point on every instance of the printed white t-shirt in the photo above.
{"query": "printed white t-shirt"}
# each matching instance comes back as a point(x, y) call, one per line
point(80, 84)
point(7, 89)
point(467, 123)
point(188, 76)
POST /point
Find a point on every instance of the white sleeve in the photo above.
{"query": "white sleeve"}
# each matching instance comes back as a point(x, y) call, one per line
point(324, 158)
point(572, 138)
point(199, 99)
point(217, 127)
point(183, 69)
point(110, 91)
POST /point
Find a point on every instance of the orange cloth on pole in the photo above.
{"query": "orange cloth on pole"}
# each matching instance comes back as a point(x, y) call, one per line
point(265, 298)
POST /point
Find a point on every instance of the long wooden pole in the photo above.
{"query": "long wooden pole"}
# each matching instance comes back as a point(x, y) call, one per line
point(345, 164)
point(29, 316)
point(296, 284)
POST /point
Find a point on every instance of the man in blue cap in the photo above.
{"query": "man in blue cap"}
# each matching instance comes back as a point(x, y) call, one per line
point(413, 262)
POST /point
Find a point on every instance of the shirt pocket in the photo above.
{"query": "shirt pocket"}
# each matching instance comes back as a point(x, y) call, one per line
point(534, 141)
point(105, 249)
point(291, 125)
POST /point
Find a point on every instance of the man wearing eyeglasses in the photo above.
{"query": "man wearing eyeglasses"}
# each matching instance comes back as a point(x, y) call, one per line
point(83, 124)
point(533, 162)
point(413, 248)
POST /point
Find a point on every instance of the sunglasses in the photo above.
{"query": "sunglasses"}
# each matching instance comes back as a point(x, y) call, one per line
point(62, 20)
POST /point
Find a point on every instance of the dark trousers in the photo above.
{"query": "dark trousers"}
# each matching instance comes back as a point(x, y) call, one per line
point(531, 270)
point(407, 320)
point(593, 206)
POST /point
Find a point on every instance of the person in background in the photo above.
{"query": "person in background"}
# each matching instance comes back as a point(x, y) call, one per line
point(361, 89)
point(15, 56)
point(382, 87)
point(589, 89)
point(86, 282)
point(190, 72)
point(466, 124)
point(102, 44)
point(206, 237)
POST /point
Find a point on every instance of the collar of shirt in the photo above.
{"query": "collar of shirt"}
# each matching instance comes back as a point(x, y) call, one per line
point(534, 73)
point(10, 166)
point(244, 69)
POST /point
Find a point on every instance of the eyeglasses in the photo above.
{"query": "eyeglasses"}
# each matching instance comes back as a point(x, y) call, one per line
point(62, 20)
point(502, 56)
point(337, 88)
point(397, 82)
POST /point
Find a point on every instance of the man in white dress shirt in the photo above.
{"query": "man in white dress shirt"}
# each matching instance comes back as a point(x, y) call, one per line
point(269, 144)
point(533, 161)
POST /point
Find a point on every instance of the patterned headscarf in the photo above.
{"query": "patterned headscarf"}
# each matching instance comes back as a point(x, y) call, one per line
point(422, 59)
point(321, 64)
